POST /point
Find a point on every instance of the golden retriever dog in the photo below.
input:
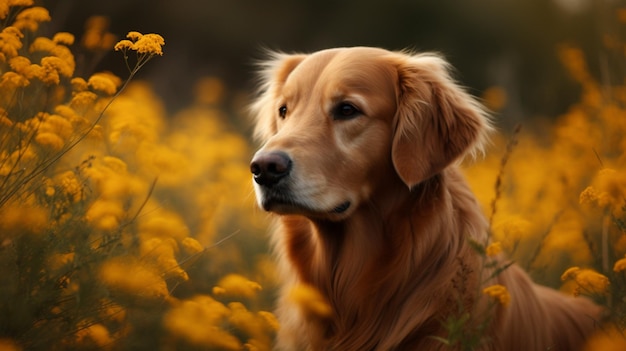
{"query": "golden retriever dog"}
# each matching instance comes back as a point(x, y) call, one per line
point(359, 161)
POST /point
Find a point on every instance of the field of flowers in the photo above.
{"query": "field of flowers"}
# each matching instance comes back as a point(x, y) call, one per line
point(122, 227)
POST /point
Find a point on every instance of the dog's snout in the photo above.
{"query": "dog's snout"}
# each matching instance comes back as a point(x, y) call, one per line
point(268, 168)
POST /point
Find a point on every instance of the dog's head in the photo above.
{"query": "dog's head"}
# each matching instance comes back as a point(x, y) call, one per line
point(340, 124)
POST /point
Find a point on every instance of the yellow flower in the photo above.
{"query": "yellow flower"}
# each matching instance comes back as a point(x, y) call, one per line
point(106, 83)
point(42, 44)
point(12, 80)
point(620, 265)
point(198, 321)
point(142, 43)
point(95, 333)
point(105, 214)
point(83, 99)
point(19, 64)
point(150, 44)
point(236, 285)
point(50, 140)
point(499, 293)
point(192, 246)
point(57, 64)
point(310, 301)
point(18, 218)
point(162, 253)
point(270, 319)
point(79, 84)
point(64, 38)
point(134, 279)
point(587, 281)
point(606, 339)
point(5, 121)
point(163, 224)
point(30, 18)
point(134, 35)
point(10, 41)
point(96, 36)
point(124, 45)
point(70, 184)
point(493, 249)
point(55, 124)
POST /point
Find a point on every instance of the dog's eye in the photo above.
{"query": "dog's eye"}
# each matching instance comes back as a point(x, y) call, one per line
point(345, 110)
point(282, 111)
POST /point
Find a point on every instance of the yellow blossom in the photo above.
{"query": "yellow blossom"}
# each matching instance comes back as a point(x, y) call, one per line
point(162, 253)
point(10, 41)
point(23, 217)
point(83, 99)
point(66, 112)
point(493, 249)
point(19, 63)
point(42, 44)
point(115, 164)
point(70, 184)
point(60, 65)
point(236, 285)
point(105, 214)
point(142, 43)
point(5, 121)
point(254, 325)
point(50, 140)
point(56, 124)
point(620, 265)
point(134, 35)
point(499, 293)
point(96, 36)
point(130, 277)
point(163, 224)
point(310, 301)
point(12, 81)
point(30, 18)
point(192, 246)
point(270, 319)
point(124, 45)
point(96, 333)
point(79, 84)
point(606, 339)
point(64, 38)
point(150, 44)
point(198, 321)
point(106, 83)
point(587, 281)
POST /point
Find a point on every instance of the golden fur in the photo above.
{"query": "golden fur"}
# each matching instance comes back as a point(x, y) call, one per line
point(359, 155)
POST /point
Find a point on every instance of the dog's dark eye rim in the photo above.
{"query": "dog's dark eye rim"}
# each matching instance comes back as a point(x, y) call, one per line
point(282, 111)
point(345, 110)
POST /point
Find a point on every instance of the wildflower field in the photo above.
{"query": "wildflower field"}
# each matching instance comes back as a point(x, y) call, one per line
point(124, 227)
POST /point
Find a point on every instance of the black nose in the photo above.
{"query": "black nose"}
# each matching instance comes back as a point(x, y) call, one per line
point(268, 168)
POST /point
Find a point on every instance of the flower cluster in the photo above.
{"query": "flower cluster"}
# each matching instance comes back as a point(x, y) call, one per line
point(114, 217)
point(142, 43)
point(587, 281)
point(561, 197)
point(499, 293)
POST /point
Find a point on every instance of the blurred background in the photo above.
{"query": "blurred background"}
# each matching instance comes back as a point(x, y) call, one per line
point(511, 44)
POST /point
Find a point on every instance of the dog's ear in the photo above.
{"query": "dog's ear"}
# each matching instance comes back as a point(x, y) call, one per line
point(273, 73)
point(436, 121)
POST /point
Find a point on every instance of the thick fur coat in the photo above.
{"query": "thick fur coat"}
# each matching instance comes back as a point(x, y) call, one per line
point(359, 162)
